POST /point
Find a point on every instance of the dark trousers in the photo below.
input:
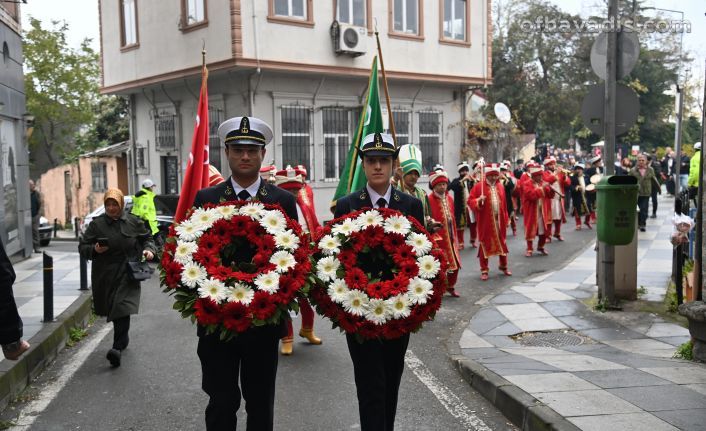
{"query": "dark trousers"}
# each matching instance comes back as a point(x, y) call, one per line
point(654, 199)
point(251, 357)
point(377, 366)
point(121, 327)
point(643, 203)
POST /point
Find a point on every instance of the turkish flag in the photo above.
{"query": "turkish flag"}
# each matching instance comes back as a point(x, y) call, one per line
point(197, 168)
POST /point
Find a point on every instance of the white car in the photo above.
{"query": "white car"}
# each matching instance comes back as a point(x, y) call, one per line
point(165, 206)
point(99, 211)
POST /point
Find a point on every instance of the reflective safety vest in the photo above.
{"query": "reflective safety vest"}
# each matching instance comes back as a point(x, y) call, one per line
point(143, 207)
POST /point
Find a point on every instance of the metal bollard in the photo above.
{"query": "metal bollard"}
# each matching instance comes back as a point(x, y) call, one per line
point(48, 288)
point(56, 226)
point(83, 268)
point(76, 220)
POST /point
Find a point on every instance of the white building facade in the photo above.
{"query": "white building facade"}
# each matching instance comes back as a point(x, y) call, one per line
point(300, 65)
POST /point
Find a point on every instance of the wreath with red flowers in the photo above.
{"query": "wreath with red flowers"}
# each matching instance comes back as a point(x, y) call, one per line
point(378, 274)
point(235, 265)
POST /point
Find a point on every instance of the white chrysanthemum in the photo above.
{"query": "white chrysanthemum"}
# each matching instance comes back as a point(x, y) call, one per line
point(204, 218)
point(240, 293)
point(252, 209)
point(428, 266)
point(397, 224)
point(227, 211)
point(356, 302)
point(188, 231)
point(378, 311)
point(193, 274)
point(273, 222)
point(326, 268)
point(267, 282)
point(283, 261)
point(400, 306)
point(369, 218)
point(346, 227)
point(214, 289)
point(287, 239)
point(330, 244)
point(184, 251)
point(338, 291)
point(419, 243)
point(419, 290)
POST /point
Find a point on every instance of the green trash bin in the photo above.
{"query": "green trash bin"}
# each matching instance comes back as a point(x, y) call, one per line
point(617, 209)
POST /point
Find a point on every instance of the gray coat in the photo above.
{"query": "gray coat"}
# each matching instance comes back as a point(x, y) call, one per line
point(115, 295)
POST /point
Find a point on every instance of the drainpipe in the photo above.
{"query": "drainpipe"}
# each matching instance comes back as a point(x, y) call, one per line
point(133, 145)
point(258, 71)
point(178, 138)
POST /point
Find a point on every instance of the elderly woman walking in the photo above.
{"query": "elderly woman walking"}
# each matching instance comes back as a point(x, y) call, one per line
point(110, 241)
point(645, 177)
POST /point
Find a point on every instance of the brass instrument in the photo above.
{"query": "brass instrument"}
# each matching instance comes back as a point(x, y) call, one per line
point(557, 188)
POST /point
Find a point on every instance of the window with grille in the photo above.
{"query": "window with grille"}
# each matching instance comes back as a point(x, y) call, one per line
point(99, 177)
point(140, 161)
point(406, 16)
point(430, 138)
point(215, 151)
point(401, 118)
point(165, 131)
point(128, 22)
point(296, 136)
point(195, 11)
point(454, 24)
point(337, 139)
point(352, 12)
point(291, 8)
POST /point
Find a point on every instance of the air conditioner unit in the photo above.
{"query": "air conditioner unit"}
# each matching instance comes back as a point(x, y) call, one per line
point(351, 40)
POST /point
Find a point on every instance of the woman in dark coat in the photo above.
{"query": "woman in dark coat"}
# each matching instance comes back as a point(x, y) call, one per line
point(115, 294)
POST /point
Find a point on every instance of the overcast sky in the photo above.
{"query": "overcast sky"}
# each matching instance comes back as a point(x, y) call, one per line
point(82, 17)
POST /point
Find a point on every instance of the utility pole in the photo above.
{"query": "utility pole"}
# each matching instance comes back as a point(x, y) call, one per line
point(698, 282)
point(606, 252)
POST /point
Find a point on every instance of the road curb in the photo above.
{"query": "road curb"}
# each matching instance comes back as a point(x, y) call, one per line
point(518, 406)
point(15, 376)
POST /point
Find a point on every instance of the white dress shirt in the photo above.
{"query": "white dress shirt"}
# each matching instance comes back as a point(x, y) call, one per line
point(252, 188)
point(374, 196)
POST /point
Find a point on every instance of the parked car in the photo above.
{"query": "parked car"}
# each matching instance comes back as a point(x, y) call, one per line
point(45, 231)
point(165, 205)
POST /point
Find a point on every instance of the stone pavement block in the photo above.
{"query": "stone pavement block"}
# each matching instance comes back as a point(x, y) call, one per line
point(523, 311)
point(528, 366)
point(674, 341)
point(513, 403)
point(682, 376)
point(481, 326)
point(500, 341)
point(541, 277)
point(591, 279)
point(543, 418)
point(582, 293)
point(663, 397)
point(619, 333)
point(469, 340)
point(484, 353)
point(587, 321)
point(538, 324)
point(563, 308)
point(667, 330)
point(569, 276)
point(637, 361)
point(622, 379)
point(686, 420)
point(568, 361)
point(558, 285)
point(644, 346)
point(510, 298)
point(586, 403)
point(489, 314)
point(699, 387)
point(504, 329)
point(548, 295)
point(554, 382)
point(622, 422)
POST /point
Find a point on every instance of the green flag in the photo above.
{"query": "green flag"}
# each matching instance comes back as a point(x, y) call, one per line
point(353, 177)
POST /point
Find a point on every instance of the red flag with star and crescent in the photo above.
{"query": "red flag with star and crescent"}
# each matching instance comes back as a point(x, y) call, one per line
point(197, 168)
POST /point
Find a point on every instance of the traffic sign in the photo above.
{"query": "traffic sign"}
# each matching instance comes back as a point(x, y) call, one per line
point(626, 110)
point(628, 52)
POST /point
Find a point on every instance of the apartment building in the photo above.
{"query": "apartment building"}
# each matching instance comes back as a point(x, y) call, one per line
point(15, 223)
point(300, 65)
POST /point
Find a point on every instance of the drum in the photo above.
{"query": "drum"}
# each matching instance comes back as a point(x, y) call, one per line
point(595, 178)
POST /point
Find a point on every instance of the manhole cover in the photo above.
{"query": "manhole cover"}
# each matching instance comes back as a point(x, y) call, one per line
point(549, 339)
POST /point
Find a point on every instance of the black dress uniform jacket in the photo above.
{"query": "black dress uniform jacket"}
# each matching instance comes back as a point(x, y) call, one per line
point(378, 364)
point(250, 357)
point(10, 322)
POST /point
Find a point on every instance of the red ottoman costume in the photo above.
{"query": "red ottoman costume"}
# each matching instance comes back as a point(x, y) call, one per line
point(445, 237)
point(536, 210)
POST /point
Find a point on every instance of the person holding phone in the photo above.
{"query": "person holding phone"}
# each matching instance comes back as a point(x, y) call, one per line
point(110, 241)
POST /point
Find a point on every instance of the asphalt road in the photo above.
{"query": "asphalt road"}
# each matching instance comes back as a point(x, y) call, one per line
point(158, 385)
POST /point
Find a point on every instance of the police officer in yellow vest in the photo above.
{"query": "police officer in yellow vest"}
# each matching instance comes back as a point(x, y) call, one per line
point(143, 205)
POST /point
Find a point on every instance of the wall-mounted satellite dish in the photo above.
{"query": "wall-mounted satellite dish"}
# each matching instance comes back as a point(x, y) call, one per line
point(502, 112)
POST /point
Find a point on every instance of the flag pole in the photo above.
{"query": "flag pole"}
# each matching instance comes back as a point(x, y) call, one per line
point(384, 85)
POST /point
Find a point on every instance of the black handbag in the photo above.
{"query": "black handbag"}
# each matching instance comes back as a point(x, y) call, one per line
point(139, 270)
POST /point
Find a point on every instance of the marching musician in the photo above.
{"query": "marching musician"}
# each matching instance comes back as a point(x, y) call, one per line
point(536, 209)
point(579, 181)
point(594, 173)
point(559, 180)
point(409, 171)
point(441, 204)
point(461, 186)
point(294, 181)
point(488, 201)
point(508, 182)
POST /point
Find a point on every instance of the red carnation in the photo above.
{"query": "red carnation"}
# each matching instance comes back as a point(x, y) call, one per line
point(403, 252)
point(376, 290)
point(235, 317)
point(408, 270)
point(348, 258)
point(393, 242)
point(173, 274)
point(356, 278)
point(207, 312)
point(262, 305)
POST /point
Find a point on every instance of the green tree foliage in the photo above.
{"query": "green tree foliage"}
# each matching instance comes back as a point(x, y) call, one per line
point(111, 126)
point(62, 87)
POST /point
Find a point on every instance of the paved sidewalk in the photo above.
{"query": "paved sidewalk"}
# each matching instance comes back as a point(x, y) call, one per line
point(589, 370)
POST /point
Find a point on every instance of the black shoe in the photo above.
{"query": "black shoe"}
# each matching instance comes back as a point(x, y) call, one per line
point(36, 250)
point(114, 357)
point(653, 216)
point(642, 229)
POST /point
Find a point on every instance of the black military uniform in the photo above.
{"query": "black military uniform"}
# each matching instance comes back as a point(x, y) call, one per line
point(250, 356)
point(378, 364)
